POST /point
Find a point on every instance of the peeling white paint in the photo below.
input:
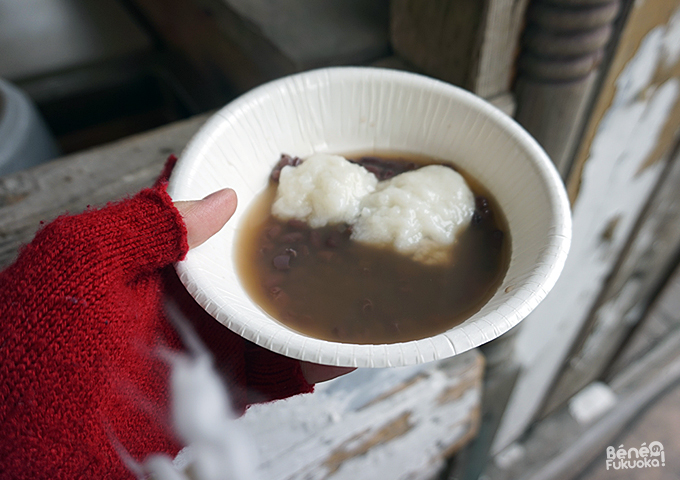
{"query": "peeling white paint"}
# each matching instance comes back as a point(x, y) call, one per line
point(671, 41)
point(592, 402)
point(612, 186)
point(296, 436)
point(640, 70)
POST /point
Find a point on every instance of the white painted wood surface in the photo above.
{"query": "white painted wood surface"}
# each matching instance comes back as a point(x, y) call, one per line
point(615, 181)
point(397, 423)
point(644, 267)
point(499, 42)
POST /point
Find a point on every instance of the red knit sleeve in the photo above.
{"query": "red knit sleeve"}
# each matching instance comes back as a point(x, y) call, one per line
point(80, 313)
point(253, 374)
point(81, 324)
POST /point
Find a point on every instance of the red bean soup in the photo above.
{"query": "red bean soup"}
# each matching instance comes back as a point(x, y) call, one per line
point(324, 285)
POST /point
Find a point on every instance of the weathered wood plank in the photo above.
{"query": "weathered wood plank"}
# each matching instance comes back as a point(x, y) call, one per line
point(397, 423)
point(662, 319)
point(641, 272)
point(661, 68)
point(438, 36)
point(578, 450)
point(93, 177)
point(497, 47)
point(560, 448)
point(636, 111)
point(246, 42)
point(468, 43)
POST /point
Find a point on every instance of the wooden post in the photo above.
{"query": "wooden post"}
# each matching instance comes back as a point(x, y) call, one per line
point(563, 47)
point(469, 43)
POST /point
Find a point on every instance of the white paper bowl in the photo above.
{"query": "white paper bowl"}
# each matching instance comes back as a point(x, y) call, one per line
point(339, 110)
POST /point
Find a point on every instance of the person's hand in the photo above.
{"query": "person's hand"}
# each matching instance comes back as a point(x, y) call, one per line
point(203, 219)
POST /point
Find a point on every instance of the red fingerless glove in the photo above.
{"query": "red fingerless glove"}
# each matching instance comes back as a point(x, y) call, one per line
point(81, 325)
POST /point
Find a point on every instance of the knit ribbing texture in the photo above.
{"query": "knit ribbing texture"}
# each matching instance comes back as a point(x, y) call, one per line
point(81, 328)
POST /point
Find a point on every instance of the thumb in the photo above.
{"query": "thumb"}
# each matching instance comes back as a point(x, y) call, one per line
point(204, 218)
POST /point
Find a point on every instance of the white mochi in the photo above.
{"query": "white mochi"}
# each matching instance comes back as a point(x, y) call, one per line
point(419, 213)
point(324, 189)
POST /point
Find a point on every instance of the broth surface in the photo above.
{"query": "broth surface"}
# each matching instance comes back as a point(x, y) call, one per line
point(324, 285)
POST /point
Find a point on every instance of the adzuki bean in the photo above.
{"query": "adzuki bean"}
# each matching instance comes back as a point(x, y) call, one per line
point(323, 284)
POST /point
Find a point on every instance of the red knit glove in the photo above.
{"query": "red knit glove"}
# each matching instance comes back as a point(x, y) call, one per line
point(81, 323)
